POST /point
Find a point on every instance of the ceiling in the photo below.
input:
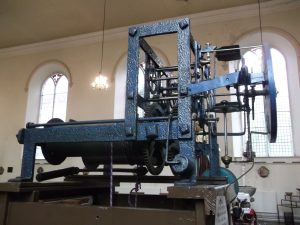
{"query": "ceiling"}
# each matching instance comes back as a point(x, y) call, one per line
point(25, 22)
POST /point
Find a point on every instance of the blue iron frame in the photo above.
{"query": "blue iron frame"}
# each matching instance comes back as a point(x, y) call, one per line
point(132, 128)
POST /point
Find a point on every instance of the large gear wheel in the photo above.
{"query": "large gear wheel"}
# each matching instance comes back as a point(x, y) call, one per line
point(154, 158)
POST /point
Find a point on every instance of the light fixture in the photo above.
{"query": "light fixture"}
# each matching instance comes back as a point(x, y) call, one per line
point(101, 81)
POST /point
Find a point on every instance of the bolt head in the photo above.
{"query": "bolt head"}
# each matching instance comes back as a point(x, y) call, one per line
point(130, 95)
point(183, 24)
point(184, 129)
point(183, 91)
point(132, 32)
point(128, 131)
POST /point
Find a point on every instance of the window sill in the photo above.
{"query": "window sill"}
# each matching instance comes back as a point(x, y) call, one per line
point(275, 160)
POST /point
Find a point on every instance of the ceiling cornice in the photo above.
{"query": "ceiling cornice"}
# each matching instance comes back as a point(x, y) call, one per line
point(121, 33)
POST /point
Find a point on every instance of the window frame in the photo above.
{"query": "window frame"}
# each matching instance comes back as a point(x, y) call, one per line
point(286, 46)
point(260, 144)
point(54, 94)
point(34, 88)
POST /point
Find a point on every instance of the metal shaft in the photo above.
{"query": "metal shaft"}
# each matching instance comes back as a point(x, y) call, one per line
point(225, 134)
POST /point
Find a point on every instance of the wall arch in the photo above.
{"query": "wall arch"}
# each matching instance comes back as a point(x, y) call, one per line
point(120, 73)
point(290, 49)
point(274, 30)
point(35, 82)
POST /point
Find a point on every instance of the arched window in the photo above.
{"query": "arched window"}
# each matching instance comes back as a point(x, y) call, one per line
point(47, 94)
point(120, 89)
point(53, 103)
point(284, 143)
point(286, 74)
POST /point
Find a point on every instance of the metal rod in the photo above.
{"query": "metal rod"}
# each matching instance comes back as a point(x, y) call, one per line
point(258, 132)
point(161, 99)
point(224, 94)
point(222, 134)
point(157, 118)
point(162, 78)
point(225, 134)
point(196, 51)
point(75, 170)
point(235, 133)
point(171, 68)
point(169, 88)
point(122, 170)
point(229, 49)
point(251, 93)
point(167, 69)
point(167, 143)
point(249, 151)
point(57, 173)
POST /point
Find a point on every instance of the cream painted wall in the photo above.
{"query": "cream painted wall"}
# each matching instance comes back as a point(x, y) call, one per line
point(86, 104)
point(83, 102)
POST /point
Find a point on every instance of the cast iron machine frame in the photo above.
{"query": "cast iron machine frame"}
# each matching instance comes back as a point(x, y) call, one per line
point(133, 134)
point(165, 135)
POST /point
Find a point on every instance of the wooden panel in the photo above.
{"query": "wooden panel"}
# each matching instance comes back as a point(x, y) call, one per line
point(3, 207)
point(58, 214)
point(200, 212)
